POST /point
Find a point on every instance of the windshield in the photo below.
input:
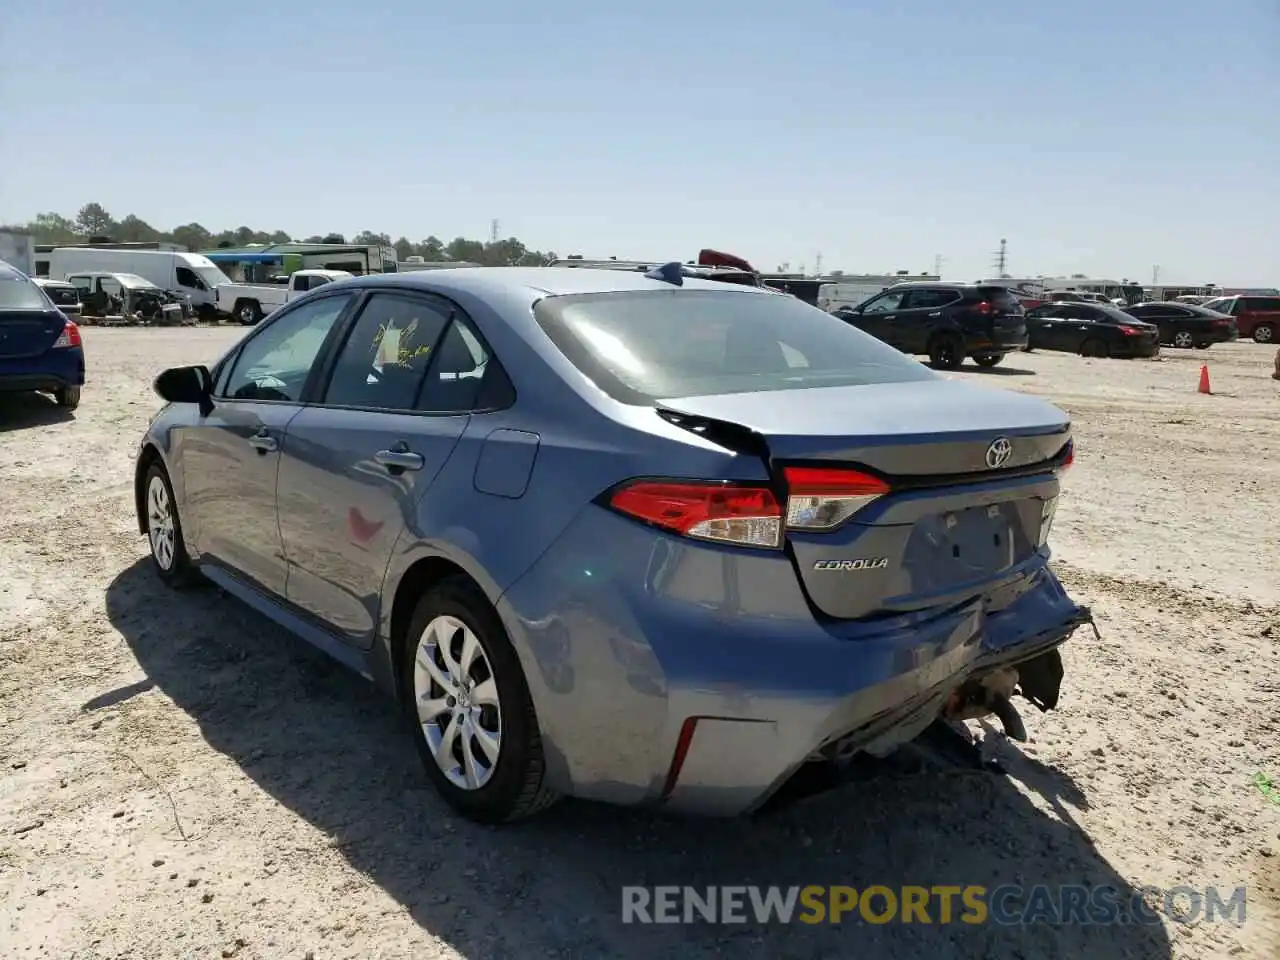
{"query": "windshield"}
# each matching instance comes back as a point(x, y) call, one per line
point(19, 293)
point(132, 280)
point(641, 346)
point(211, 276)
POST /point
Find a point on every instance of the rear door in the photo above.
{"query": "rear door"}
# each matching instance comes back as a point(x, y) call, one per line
point(356, 463)
point(1075, 324)
point(29, 324)
point(923, 311)
point(1040, 326)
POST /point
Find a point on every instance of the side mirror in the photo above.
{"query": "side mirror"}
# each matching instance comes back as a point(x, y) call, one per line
point(186, 385)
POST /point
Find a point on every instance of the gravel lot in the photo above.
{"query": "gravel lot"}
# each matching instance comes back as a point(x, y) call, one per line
point(178, 778)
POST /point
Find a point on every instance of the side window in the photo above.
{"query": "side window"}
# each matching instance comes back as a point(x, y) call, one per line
point(275, 362)
point(1074, 311)
point(457, 374)
point(1269, 304)
point(301, 284)
point(885, 303)
point(110, 286)
point(383, 363)
point(317, 282)
point(928, 299)
point(83, 284)
point(187, 278)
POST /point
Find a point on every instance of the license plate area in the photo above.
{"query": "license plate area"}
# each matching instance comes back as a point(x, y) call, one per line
point(963, 545)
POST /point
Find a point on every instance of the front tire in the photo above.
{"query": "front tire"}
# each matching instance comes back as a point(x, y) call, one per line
point(465, 697)
point(248, 312)
point(169, 554)
point(67, 397)
point(1183, 340)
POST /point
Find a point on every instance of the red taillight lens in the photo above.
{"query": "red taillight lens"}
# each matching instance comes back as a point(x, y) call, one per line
point(1071, 455)
point(1131, 331)
point(727, 513)
point(982, 307)
point(819, 498)
point(69, 337)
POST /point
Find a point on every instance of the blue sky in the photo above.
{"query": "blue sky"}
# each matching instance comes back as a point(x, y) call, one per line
point(1100, 138)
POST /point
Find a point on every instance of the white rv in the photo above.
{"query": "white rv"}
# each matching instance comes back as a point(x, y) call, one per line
point(188, 273)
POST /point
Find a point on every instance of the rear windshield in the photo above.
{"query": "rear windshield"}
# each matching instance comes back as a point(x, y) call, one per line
point(62, 296)
point(641, 346)
point(19, 293)
point(999, 297)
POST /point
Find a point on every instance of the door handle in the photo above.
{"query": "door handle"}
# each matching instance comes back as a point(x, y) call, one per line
point(400, 457)
point(937, 314)
point(263, 442)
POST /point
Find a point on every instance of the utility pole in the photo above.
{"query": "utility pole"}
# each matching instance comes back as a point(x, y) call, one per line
point(1155, 274)
point(817, 265)
point(937, 265)
point(493, 231)
point(1002, 258)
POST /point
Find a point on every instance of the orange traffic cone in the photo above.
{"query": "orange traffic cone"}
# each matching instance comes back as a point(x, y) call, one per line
point(1204, 380)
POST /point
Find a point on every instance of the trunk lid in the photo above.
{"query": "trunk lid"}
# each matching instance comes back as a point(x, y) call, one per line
point(972, 487)
point(29, 333)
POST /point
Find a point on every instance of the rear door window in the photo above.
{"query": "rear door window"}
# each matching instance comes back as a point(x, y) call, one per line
point(1267, 304)
point(929, 298)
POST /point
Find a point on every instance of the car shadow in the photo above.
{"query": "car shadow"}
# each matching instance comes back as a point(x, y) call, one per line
point(326, 745)
point(1001, 371)
point(21, 411)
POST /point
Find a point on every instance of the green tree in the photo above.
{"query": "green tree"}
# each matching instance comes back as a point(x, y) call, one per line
point(93, 220)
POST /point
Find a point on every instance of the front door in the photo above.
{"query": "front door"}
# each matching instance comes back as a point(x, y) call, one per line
point(877, 317)
point(231, 457)
point(919, 316)
point(357, 463)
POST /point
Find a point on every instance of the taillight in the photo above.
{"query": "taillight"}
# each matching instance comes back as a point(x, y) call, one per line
point(819, 498)
point(724, 512)
point(982, 307)
point(1131, 331)
point(69, 337)
point(1070, 458)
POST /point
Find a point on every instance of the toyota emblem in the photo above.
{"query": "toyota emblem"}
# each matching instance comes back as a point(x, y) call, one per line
point(999, 452)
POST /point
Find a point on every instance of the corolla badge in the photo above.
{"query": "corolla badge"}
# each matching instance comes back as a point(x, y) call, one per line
point(999, 452)
point(863, 563)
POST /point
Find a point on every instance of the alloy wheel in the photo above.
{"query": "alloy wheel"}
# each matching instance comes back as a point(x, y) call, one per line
point(1183, 339)
point(160, 525)
point(457, 702)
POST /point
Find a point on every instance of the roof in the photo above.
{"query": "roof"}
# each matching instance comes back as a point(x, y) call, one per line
point(538, 281)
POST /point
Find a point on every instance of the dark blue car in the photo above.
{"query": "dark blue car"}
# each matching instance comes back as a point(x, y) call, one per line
point(40, 349)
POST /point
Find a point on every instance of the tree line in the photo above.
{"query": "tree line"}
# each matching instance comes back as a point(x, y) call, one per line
point(93, 220)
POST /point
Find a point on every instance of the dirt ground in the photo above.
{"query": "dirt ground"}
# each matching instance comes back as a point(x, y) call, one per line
point(178, 778)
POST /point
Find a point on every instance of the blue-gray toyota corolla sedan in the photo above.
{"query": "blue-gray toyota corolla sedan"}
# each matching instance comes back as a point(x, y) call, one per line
point(640, 538)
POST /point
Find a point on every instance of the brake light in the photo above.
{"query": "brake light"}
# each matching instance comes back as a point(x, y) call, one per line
point(1070, 458)
point(745, 515)
point(1131, 331)
point(819, 498)
point(982, 307)
point(69, 337)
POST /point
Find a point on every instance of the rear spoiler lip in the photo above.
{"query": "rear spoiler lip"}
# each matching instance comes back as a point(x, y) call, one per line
point(744, 440)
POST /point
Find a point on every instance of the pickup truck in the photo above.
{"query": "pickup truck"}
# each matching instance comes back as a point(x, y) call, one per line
point(250, 302)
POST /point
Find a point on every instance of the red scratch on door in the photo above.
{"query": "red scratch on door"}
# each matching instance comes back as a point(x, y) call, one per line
point(362, 529)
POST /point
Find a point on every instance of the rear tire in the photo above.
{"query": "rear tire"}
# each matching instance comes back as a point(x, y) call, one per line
point(1264, 333)
point(1183, 340)
point(1094, 348)
point(67, 397)
point(487, 700)
point(946, 352)
point(248, 312)
point(988, 359)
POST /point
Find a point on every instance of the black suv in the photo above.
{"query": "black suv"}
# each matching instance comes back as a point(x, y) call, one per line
point(946, 321)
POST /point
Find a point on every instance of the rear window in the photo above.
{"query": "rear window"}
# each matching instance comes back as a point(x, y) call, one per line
point(641, 346)
point(999, 297)
point(62, 296)
point(19, 293)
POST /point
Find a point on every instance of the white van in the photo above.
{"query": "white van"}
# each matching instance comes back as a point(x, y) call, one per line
point(188, 273)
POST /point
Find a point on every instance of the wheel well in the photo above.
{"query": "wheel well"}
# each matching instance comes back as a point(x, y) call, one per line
point(417, 580)
point(148, 456)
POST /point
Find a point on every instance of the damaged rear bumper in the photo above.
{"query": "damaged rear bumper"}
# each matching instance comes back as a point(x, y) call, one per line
point(724, 765)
